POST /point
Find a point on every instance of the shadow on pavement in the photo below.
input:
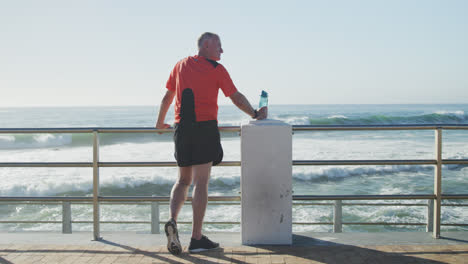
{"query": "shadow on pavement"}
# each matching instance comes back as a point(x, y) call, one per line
point(305, 249)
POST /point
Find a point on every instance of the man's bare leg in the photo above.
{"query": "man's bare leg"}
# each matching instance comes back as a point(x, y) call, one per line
point(180, 190)
point(178, 196)
point(201, 177)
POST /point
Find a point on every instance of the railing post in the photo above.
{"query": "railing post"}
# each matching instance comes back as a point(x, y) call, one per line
point(66, 218)
point(154, 217)
point(96, 230)
point(430, 216)
point(437, 183)
point(337, 217)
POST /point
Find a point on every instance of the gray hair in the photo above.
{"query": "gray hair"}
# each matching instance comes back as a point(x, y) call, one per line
point(204, 37)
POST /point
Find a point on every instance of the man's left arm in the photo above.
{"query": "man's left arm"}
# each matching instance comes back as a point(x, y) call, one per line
point(243, 104)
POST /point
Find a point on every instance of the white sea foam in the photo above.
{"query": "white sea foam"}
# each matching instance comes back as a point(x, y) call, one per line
point(337, 116)
point(52, 140)
point(340, 172)
point(34, 141)
point(295, 120)
point(444, 112)
point(6, 139)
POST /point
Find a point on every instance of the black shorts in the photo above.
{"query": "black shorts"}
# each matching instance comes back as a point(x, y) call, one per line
point(197, 143)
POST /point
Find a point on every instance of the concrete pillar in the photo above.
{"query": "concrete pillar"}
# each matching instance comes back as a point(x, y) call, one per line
point(266, 183)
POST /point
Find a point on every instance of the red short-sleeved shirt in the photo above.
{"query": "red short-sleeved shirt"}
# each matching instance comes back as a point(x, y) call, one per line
point(204, 78)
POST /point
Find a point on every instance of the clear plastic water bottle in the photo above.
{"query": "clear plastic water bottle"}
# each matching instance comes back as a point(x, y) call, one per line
point(263, 99)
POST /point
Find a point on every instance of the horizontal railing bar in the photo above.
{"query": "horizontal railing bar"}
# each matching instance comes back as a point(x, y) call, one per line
point(114, 222)
point(156, 198)
point(362, 162)
point(208, 222)
point(151, 130)
point(45, 198)
point(157, 164)
point(109, 198)
point(30, 222)
point(306, 204)
point(362, 204)
point(381, 223)
point(228, 163)
point(149, 222)
point(138, 164)
point(135, 199)
point(47, 164)
point(212, 204)
point(134, 130)
point(382, 204)
point(46, 130)
point(454, 196)
point(372, 223)
point(220, 223)
point(231, 198)
point(101, 130)
point(294, 204)
point(364, 197)
point(454, 127)
point(379, 127)
point(454, 161)
point(313, 223)
point(101, 164)
point(233, 128)
point(362, 127)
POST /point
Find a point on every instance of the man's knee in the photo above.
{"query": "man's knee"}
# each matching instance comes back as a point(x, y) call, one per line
point(201, 180)
point(184, 181)
point(185, 176)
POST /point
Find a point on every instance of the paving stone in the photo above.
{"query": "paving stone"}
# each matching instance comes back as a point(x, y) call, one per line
point(108, 259)
point(276, 259)
point(70, 259)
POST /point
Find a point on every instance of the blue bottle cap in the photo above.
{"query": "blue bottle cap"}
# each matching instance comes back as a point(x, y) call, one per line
point(264, 94)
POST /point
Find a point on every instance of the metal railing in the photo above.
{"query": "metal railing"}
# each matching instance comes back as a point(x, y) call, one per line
point(434, 200)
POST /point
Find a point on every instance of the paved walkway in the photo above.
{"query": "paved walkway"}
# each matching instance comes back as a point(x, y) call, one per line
point(127, 247)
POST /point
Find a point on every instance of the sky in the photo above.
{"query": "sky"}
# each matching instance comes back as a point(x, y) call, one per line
point(96, 52)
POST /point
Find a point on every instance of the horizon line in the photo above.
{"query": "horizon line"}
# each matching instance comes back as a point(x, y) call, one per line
point(157, 105)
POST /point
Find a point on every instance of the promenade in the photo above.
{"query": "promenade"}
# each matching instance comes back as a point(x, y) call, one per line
point(134, 247)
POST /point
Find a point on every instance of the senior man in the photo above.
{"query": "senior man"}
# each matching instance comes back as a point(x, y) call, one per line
point(195, 82)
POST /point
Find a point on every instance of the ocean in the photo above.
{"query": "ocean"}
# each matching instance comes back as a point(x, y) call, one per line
point(307, 180)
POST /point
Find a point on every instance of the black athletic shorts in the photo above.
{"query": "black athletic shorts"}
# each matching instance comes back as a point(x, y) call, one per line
point(197, 143)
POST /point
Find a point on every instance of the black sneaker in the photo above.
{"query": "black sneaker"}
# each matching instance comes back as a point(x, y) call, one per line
point(202, 245)
point(173, 243)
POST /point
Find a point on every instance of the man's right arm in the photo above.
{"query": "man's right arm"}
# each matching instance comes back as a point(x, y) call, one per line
point(165, 103)
point(243, 104)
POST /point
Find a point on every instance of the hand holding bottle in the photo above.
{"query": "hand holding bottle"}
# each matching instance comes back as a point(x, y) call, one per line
point(262, 113)
point(263, 105)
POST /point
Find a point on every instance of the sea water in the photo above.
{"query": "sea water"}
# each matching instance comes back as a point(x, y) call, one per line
point(225, 181)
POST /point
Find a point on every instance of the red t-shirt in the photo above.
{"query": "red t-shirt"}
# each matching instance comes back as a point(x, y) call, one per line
point(204, 78)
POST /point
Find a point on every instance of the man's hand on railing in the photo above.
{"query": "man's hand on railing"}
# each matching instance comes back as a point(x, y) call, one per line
point(162, 126)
